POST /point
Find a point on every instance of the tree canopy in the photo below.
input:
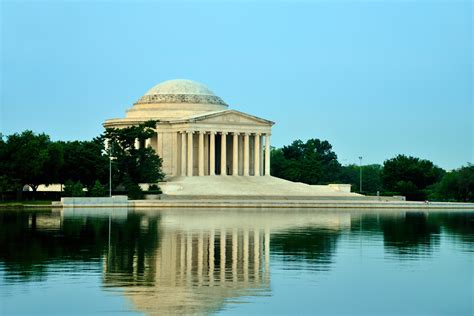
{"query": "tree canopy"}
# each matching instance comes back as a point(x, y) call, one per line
point(456, 185)
point(312, 162)
point(33, 159)
point(132, 165)
point(84, 161)
point(29, 159)
point(410, 176)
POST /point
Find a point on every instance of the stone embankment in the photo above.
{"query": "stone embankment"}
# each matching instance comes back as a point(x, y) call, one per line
point(166, 202)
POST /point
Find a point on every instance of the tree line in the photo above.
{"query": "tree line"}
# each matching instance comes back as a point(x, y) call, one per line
point(33, 159)
point(315, 162)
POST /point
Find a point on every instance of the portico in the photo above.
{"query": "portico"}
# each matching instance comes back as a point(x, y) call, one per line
point(201, 152)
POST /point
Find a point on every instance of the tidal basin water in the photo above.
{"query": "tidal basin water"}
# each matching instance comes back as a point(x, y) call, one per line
point(241, 262)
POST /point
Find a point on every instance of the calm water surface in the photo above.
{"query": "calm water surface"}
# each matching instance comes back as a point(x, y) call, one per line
point(236, 262)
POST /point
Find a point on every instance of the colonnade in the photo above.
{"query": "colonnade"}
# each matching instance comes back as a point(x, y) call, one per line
point(237, 164)
point(210, 153)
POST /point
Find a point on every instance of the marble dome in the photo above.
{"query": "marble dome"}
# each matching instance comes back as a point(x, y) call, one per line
point(180, 91)
point(180, 86)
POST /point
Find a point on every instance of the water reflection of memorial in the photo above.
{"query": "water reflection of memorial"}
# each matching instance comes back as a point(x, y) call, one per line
point(207, 258)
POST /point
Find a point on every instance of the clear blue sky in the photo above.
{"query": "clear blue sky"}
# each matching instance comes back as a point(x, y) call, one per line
point(374, 78)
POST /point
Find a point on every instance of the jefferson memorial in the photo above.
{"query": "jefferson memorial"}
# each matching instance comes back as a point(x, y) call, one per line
point(209, 150)
point(197, 134)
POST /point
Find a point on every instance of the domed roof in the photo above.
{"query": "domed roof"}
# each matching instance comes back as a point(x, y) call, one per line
point(180, 91)
point(179, 86)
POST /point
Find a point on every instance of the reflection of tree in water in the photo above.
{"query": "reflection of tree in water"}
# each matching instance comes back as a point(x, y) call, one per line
point(20, 251)
point(410, 235)
point(315, 245)
point(133, 244)
point(459, 225)
point(366, 224)
point(29, 242)
point(418, 233)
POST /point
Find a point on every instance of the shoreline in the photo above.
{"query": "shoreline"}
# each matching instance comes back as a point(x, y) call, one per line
point(236, 203)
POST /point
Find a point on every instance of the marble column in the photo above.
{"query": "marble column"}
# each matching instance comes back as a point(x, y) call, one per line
point(183, 153)
point(137, 143)
point(190, 154)
point(147, 142)
point(267, 154)
point(212, 154)
point(223, 154)
point(206, 153)
point(241, 154)
point(235, 156)
point(176, 168)
point(246, 154)
point(262, 154)
point(256, 165)
point(201, 153)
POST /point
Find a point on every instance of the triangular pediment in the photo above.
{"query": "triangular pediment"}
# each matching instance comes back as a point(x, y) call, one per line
point(229, 116)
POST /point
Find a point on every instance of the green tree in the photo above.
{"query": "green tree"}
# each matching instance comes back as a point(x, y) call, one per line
point(133, 189)
point(410, 176)
point(154, 189)
point(84, 161)
point(132, 165)
point(4, 186)
point(312, 162)
point(73, 189)
point(67, 190)
point(97, 190)
point(456, 185)
point(30, 159)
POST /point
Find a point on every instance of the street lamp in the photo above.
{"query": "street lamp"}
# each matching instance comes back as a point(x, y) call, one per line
point(108, 150)
point(110, 168)
point(110, 175)
point(360, 174)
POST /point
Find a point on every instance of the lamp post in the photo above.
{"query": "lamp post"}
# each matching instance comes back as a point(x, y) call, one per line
point(110, 175)
point(108, 150)
point(360, 174)
point(110, 169)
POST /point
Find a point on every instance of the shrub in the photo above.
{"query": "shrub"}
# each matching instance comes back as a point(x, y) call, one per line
point(98, 189)
point(153, 188)
point(134, 191)
point(73, 189)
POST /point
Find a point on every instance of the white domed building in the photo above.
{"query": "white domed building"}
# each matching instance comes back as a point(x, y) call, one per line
point(197, 134)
